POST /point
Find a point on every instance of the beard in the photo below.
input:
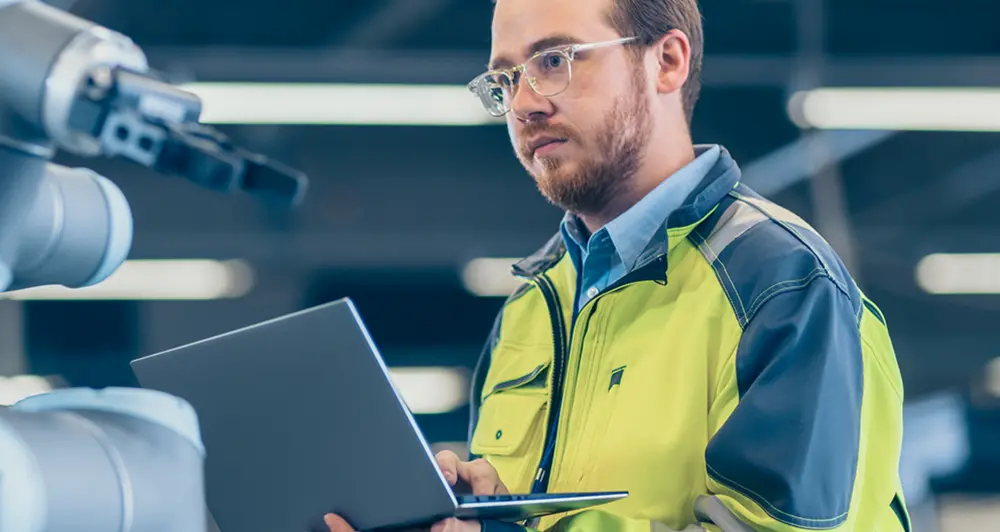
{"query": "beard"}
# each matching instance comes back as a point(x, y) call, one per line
point(617, 156)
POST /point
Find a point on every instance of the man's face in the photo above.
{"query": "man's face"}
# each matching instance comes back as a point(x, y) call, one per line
point(600, 123)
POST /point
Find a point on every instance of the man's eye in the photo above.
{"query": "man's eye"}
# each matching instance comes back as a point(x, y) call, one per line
point(553, 61)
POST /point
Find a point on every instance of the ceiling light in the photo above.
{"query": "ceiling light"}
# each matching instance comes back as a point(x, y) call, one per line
point(176, 279)
point(993, 377)
point(13, 389)
point(899, 109)
point(490, 277)
point(333, 103)
point(958, 273)
point(431, 390)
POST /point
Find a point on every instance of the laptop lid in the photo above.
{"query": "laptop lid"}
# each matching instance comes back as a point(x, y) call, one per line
point(299, 418)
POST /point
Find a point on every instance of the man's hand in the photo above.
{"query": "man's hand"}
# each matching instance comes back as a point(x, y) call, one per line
point(478, 477)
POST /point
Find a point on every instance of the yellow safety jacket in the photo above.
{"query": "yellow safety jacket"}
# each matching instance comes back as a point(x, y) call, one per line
point(740, 360)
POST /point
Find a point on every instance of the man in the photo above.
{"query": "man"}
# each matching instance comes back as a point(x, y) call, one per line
point(681, 337)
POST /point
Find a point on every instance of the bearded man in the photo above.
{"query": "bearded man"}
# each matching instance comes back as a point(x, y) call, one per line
point(680, 337)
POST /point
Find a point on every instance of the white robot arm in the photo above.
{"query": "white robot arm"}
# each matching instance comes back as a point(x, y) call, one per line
point(114, 460)
point(67, 83)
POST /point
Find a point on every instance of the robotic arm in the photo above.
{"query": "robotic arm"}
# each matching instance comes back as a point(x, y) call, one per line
point(114, 460)
point(67, 83)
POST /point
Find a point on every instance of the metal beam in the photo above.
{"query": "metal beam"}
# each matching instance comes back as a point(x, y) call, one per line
point(311, 65)
point(902, 244)
point(826, 190)
point(871, 71)
point(446, 249)
point(807, 156)
point(942, 197)
point(830, 210)
point(410, 66)
point(387, 23)
point(12, 356)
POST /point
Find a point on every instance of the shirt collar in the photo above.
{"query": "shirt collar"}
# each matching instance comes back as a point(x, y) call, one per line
point(700, 203)
point(641, 230)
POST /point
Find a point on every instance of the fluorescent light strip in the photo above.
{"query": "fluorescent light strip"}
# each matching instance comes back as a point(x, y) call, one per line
point(899, 109)
point(156, 280)
point(993, 377)
point(330, 103)
point(13, 389)
point(490, 277)
point(431, 390)
point(971, 273)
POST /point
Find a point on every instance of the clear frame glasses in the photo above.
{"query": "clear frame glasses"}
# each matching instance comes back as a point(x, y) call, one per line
point(548, 73)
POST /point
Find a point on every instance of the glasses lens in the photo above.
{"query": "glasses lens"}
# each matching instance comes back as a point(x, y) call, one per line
point(548, 73)
point(494, 91)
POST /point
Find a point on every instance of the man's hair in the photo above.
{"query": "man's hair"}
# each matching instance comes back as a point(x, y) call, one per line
point(649, 20)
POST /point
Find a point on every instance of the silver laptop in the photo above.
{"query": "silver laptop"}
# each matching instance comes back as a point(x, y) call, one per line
point(299, 418)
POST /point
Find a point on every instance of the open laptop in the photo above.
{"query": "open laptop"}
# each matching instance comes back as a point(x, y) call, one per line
point(299, 417)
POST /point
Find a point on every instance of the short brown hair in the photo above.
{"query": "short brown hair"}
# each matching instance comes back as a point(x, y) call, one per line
point(649, 20)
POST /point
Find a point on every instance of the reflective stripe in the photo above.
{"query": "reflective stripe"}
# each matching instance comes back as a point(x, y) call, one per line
point(798, 227)
point(777, 212)
point(755, 261)
point(737, 219)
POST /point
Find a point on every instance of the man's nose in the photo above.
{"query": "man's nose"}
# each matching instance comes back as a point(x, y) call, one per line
point(527, 105)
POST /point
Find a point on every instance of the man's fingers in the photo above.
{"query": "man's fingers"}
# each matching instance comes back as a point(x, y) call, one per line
point(479, 476)
point(336, 523)
point(455, 525)
point(448, 462)
point(482, 477)
point(448, 525)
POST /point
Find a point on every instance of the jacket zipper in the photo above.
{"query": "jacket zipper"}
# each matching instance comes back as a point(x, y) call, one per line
point(650, 270)
point(560, 342)
point(541, 482)
point(584, 412)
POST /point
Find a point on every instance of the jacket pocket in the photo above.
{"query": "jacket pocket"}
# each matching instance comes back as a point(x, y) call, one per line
point(510, 429)
point(510, 436)
point(517, 368)
point(505, 423)
point(528, 378)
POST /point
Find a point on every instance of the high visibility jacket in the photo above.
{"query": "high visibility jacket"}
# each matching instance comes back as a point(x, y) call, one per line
point(739, 360)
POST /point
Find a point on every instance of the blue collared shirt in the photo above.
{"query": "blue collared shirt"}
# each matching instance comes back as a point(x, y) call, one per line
point(616, 249)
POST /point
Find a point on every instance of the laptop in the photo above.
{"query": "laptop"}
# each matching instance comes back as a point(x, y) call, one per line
point(300, 417)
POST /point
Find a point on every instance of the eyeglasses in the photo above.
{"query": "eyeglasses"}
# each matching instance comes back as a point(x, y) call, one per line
point(548, 73)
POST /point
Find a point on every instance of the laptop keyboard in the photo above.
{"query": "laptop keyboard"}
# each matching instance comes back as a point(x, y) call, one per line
point(509, 498)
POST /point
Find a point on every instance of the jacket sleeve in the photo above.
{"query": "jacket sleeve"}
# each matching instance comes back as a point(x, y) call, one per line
point(787, 417)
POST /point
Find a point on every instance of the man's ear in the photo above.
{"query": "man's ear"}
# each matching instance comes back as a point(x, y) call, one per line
point(672, 54)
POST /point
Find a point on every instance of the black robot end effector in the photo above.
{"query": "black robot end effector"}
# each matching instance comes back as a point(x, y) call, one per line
point(207, 157)
point(155, 124)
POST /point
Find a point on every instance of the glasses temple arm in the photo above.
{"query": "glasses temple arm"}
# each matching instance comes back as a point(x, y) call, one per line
point(603, 44)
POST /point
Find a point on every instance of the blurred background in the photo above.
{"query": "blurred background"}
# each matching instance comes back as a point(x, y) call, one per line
point(417, 205)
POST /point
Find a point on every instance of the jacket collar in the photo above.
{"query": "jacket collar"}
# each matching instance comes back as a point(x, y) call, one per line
point(679, 223)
